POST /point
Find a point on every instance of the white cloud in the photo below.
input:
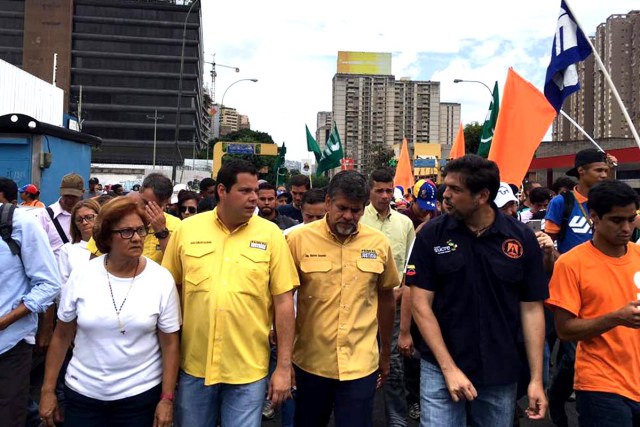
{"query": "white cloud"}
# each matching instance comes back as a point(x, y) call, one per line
point(291, 48)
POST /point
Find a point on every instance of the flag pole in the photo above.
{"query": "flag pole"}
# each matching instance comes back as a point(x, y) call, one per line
point(612, 87)
point(582, 131)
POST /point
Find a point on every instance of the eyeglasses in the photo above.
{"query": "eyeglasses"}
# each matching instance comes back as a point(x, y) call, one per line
point(127, 233)
point(190, 209)
point(87, 218)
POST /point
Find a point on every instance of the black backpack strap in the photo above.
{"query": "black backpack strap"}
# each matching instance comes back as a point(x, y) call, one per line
point(56, 223)
point(569, 199)
point(6, 227)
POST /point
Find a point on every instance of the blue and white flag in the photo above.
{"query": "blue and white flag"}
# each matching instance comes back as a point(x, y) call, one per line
point(569, 47)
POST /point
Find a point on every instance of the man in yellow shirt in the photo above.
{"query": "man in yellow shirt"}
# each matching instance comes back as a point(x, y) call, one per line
point(235, 272)
point(153, 197)
point(347, 275)
point(399, 230)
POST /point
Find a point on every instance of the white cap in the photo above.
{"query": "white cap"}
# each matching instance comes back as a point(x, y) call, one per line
point(176, 189)
point(505, 195)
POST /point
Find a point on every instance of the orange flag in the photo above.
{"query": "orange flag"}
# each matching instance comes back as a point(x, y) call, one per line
point(457, 149)
point(524, 118)
point(404, 173)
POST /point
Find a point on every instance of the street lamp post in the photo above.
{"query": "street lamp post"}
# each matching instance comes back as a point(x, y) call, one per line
point(155, 119)
point(223, 95)
point(177, 133)
point(474, 81)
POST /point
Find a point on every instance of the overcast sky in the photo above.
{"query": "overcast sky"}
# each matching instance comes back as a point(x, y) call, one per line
point(291, 47)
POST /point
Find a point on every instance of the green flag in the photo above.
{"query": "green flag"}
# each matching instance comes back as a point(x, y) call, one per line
point(489, 124)
point(312, 145)
point(332, 154)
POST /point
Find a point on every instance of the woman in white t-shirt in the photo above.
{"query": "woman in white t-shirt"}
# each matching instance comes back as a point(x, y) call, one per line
point(75, 253)
point(123, 314)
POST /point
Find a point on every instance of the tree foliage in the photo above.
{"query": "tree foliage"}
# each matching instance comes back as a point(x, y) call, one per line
point(264, 164)
point(319, 181)
point(379, 157)
point(472, 133)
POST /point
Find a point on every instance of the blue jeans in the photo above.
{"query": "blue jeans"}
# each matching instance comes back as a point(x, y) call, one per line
point(351, 401)
point(494, 406)
point(232, 405)
point(599, 409)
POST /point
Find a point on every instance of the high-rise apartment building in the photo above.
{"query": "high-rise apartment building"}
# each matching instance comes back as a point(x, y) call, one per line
point(373, 110)
point(229, 121)
point(594, 107)
point(449, 122)
point(118, 62)
point(323, 127)
point(243, 122)
point(416, 111)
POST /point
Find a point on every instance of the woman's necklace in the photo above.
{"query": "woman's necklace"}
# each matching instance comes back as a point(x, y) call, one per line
point(118, 310)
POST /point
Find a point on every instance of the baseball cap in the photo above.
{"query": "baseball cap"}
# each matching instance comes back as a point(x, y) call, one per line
point(29, 188)
point(505, 195)
point(585, 157)
point(72, 185)
point(176, 189)
point(425, 193)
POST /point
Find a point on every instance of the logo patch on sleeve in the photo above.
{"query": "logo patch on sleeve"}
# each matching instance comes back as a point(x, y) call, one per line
point(368, 254)
point(258, 245)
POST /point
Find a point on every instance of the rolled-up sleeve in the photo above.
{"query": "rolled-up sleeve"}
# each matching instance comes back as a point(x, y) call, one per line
point(40, 267)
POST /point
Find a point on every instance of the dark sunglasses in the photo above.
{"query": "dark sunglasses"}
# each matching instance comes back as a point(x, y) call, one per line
point(190, 209)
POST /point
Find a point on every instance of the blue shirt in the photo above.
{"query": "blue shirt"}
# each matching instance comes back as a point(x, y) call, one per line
point(478, 284)
point(36, 282)
point(578, 227)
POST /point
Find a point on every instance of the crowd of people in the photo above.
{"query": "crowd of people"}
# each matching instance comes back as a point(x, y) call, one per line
point(166, 306)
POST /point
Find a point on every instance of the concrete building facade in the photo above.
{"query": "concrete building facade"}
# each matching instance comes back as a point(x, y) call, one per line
point(118, 61)
point(324, 121)
point(449, 122)
point(378, 111)
point(229, 121)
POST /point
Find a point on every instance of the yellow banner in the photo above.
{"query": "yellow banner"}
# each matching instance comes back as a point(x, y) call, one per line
point(372, 63)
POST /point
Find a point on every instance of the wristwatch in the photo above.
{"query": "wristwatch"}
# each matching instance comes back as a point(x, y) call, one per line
point(163, 234)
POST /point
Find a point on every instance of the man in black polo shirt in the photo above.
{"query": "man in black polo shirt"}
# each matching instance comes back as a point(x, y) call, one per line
point(300, 184)
point(475, 273)
point(267, 207)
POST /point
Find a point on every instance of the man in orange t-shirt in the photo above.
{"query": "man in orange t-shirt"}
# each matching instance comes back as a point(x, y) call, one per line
point(595, 293)
point(29, 194)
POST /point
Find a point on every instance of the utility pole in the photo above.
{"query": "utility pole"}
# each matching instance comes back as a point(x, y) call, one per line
point(55, 69)
point(80, 119)
point(155, 119)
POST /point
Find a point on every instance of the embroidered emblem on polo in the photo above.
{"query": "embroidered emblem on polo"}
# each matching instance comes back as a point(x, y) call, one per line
point(368, 254)
point(512, 248)
point(258, 245)
point(450, 247)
